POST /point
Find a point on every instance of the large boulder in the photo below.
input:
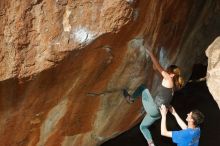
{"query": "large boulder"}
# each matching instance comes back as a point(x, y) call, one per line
point(213, 70)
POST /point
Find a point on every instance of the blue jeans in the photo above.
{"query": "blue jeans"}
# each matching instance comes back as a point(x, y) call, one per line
point(151, 109)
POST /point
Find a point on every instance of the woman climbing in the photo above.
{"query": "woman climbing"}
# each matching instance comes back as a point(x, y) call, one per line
point(171, 81)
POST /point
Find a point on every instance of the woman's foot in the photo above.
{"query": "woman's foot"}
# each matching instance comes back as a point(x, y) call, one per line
point(127, 96)
point(142, 111)
point(151, 143)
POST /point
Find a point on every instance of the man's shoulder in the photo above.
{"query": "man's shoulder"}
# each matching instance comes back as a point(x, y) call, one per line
point(196, 130)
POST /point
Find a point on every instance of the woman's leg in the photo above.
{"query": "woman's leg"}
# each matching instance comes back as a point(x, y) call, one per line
point(145, 124)
point(138, 91)
point(152, 114)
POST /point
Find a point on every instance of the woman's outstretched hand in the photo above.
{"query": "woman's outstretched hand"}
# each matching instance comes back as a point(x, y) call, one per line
point(147, 50)
point(147, 47)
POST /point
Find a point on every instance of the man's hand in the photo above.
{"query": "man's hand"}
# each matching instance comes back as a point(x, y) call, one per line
point(172, 110)
point(164, 131)
point(181, 123)
point(163, 110)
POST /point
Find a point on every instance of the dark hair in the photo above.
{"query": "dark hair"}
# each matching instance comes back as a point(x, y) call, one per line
point(177, 79)
point(197, 117)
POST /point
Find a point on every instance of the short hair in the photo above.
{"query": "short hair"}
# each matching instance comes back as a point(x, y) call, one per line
point(197, 117)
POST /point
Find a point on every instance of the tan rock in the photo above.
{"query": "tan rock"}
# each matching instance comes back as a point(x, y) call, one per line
point(213, 70)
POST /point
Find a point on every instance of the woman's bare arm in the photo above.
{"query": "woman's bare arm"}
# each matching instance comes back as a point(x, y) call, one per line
point(157, 65)
point(155, 61)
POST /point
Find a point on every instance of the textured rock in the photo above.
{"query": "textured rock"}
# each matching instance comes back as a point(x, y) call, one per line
point(63, 63)
point(213, 71)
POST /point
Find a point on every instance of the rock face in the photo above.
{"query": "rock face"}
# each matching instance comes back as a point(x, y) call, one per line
point(63, 63)
point(213, 71)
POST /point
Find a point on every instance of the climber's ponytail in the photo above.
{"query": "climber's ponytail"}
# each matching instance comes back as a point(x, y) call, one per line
point(177, 79)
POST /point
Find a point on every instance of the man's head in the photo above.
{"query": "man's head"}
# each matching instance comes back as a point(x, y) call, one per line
point(196, 117)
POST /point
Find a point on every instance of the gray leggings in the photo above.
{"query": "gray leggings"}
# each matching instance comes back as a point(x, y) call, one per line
point(150, 107)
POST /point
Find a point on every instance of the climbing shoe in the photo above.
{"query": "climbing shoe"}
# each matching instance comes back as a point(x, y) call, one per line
point(127, 96)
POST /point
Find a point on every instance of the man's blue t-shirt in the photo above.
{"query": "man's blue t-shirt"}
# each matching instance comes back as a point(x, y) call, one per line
point(186, 137)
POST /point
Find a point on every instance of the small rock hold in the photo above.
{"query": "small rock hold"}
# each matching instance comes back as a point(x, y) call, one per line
point(135, 14)
point(61, 2)
point(107, 48)
point(35, 121)
point(136, 43)
point(130, 1)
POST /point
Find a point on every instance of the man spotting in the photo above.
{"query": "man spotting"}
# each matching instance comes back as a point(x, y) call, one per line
point(190, 133)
